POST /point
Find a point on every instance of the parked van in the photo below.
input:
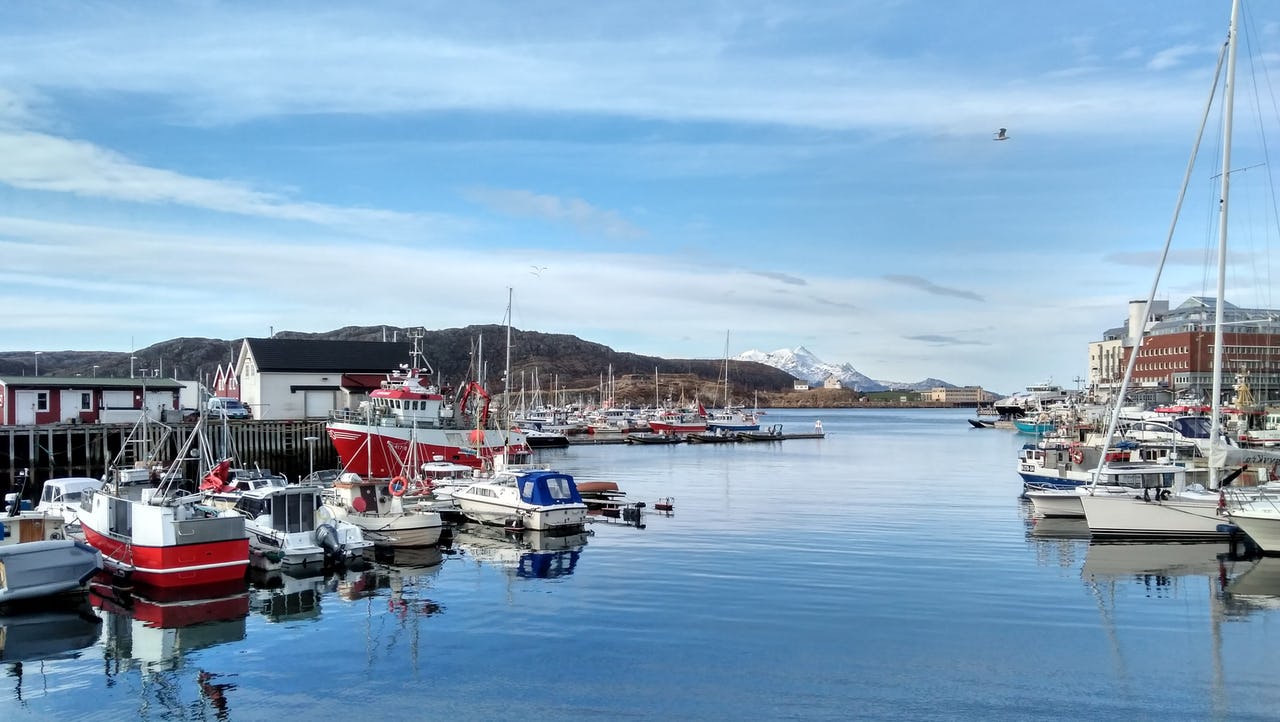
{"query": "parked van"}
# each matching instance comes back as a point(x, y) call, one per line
point(225, 406)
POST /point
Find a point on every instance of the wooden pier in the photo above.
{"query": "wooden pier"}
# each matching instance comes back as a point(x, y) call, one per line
point(53, 450)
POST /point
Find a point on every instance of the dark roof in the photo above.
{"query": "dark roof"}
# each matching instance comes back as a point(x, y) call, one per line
point(89, 382)
point(300, 354)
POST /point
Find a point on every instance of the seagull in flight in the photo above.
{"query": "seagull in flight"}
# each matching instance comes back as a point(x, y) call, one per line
point(537, 270)
point(1000, 135)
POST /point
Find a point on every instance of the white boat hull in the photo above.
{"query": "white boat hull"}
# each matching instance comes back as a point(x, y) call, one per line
point(1261, 524)
point(1176, 519)
point(537, 518)
point(399, 530)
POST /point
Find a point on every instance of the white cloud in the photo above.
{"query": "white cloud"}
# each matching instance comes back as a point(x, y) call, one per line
point(36, 161)
point(574, 211)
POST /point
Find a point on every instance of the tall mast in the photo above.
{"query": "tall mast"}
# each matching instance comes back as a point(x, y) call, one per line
point(1216, 462)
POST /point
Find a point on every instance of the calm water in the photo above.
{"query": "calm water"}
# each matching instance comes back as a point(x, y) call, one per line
point(887, 571)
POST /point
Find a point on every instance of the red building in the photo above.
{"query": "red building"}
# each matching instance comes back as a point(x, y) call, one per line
point(28, 400)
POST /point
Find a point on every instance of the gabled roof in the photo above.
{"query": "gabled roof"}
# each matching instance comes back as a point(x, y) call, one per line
point(299, 354)
point(92, 382)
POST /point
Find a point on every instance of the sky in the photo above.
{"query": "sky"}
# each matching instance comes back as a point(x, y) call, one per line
point(652, 176)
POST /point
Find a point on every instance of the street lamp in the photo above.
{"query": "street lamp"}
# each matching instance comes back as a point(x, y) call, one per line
point(311, 456)
point(38, 362)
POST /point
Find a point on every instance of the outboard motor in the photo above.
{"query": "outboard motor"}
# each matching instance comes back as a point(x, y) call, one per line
point(327, 538)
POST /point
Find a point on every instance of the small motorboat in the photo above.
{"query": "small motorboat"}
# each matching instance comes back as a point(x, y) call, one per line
point(29, 570)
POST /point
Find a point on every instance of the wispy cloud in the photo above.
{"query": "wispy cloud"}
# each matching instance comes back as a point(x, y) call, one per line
point(939, 340)
point(930, 287)
point(1173, 57)
point(781, 277)
point(37, 161)
point(574, 211)
point(222, 64)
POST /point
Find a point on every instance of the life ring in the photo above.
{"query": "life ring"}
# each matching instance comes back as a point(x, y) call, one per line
point(1077, 454)
point(398, 486)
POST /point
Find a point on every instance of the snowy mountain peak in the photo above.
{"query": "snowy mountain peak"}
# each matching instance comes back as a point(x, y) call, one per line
point(804, 365)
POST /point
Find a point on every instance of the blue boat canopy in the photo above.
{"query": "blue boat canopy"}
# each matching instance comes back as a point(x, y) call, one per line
point(547, 488)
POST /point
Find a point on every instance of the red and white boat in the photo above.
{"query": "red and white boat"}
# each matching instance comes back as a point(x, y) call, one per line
point(680, 422)
point(163, 537)
point(408, 418)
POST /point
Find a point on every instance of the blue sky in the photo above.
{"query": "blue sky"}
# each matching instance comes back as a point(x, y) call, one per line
point(644, 175)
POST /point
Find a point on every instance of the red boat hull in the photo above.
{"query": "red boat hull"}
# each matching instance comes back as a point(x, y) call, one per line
point(382, 455)
point(182, 565)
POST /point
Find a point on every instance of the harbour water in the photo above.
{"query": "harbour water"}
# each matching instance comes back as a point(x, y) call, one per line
point(886, 571)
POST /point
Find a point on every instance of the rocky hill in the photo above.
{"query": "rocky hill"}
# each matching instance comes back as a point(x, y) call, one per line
point(563, 361)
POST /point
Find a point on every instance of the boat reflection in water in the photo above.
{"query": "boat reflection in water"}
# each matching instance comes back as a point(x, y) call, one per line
point(1256, 587)
point(531, 554)
point(154, 630)
point(1158, 567)
point(61, 631)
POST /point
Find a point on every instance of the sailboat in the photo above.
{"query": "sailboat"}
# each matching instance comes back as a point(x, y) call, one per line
point(729, 420)
point(1169, 508)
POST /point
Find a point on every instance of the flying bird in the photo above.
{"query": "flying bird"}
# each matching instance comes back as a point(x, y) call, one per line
point(1000, 135)
point(537, 270)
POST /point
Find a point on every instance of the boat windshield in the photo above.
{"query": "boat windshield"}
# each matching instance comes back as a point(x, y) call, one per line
point(1192, 427)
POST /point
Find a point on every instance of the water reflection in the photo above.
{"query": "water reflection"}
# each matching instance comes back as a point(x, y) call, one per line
point(1156, 567)
point(153, 631)
point(530, 555)
point(1257, 587)
point(61, 632)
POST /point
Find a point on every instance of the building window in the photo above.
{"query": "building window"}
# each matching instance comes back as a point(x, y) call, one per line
point(42, 401)
point(86, 401)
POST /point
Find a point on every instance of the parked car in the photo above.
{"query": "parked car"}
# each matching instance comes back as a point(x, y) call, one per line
point(227, 407)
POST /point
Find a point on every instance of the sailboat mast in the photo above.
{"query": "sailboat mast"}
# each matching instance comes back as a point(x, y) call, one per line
point(1228, 108)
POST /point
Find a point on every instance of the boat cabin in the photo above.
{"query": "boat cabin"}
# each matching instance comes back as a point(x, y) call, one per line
point(291, 509)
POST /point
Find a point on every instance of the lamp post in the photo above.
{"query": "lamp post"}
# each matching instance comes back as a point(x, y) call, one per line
point(311, 456)
point(131, 360)
point(38, 362)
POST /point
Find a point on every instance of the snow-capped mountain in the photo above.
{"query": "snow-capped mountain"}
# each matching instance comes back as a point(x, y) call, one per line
point(802, 364)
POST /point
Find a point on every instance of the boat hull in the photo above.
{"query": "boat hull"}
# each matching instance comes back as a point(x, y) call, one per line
point(172, 566)
point(1129, 518)
point(44, 568)
point(399, 530)
point(380, 451)
point(1262, 526)
point(564, 518)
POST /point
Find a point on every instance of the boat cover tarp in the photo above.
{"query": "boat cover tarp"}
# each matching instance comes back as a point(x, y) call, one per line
point(546, 488)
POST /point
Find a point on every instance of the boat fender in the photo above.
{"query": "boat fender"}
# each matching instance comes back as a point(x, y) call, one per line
point(398, 486)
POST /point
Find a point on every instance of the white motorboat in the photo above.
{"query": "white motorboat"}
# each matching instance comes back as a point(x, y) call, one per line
point(379, 508)
point(286, 530)
point(61, 496)
point(541, 500)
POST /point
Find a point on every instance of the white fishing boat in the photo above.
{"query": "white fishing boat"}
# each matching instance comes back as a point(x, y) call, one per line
point(287, 531)
point(380, 509)
point(541, 500)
